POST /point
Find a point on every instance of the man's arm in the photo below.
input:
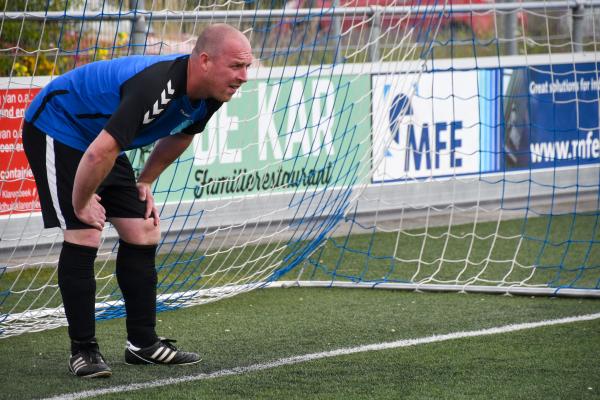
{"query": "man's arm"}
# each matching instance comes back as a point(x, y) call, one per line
point(164, 153)
point(96, 163)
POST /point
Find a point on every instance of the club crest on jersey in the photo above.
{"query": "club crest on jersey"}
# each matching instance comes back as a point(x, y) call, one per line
point(159, 105)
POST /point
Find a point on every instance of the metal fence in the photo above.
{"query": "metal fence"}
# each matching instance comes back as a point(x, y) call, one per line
point(367, 32)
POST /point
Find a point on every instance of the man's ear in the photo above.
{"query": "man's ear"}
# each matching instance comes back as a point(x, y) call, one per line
point(203, 60)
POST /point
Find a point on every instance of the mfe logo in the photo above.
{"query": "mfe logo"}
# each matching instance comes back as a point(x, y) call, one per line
point(426, 125)
point(426, 145)
point(400, 108)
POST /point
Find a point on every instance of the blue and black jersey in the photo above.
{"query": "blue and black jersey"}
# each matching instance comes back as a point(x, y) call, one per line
point(137, 99)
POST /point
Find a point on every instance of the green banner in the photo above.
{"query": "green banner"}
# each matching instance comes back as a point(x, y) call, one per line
point(289, 135)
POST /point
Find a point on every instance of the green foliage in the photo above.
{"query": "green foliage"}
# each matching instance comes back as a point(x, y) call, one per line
point(20, 40)
point(52, 47)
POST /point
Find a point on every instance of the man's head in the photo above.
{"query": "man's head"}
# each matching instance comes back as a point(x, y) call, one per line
point(218, 64)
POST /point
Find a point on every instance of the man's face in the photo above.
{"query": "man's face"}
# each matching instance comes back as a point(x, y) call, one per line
point(227, 71)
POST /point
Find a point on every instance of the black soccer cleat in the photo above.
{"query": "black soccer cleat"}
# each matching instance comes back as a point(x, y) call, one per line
point(87, 362)
point(162, 352)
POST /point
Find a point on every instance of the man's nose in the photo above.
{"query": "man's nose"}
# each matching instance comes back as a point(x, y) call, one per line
point(243, 75)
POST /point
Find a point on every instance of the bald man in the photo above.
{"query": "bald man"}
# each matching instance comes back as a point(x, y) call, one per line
point(75, 133)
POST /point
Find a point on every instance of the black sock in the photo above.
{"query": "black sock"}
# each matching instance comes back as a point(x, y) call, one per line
point(78, 289)
point(77, 345)
point(136, 275)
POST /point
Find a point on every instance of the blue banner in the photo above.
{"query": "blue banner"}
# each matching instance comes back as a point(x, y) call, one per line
point(456, 122)
point(551, 116)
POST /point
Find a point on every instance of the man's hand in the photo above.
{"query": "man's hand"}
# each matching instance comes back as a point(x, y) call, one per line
point(92, 213)
point(94, 166)
point(145, 194)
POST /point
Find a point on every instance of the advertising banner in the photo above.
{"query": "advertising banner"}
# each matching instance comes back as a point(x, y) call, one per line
point(431, 130)
point(551, 116)
point(293, 135)
point(462, 122)
point(301, 134)
point(18, 193)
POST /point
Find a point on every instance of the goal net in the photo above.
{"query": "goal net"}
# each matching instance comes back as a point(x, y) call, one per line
point(425, 145)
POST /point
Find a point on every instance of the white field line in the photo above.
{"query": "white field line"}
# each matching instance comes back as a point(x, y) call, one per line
point(325, 354)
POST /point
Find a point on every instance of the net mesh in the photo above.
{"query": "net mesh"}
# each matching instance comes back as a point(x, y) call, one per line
point(419, 144)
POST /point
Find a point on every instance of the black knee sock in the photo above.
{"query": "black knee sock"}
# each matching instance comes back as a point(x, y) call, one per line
point(136, 275)
point(78, 289)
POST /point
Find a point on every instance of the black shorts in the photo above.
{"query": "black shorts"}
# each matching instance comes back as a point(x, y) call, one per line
point(54, 166)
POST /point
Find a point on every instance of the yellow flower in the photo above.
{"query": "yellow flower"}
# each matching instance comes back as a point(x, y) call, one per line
point(21, 70)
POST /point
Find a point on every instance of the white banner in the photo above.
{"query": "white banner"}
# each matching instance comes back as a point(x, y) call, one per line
point(430, 130)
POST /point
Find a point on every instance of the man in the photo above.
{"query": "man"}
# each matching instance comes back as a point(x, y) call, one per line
point(74, 135)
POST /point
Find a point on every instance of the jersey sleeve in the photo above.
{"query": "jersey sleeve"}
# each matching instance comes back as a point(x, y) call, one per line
point(212, 106)
point(140, 97)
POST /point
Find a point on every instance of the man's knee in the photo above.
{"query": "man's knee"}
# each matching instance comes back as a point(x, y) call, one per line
point(150, 234)
point(83, 237)
point(137, 231)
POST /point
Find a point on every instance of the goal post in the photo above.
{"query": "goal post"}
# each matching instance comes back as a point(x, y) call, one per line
point(428, 145)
